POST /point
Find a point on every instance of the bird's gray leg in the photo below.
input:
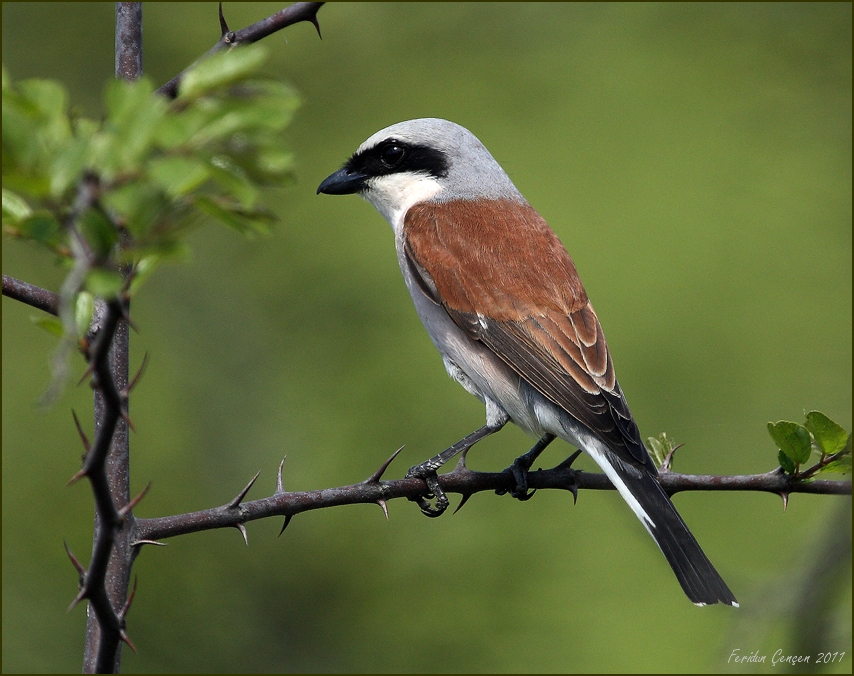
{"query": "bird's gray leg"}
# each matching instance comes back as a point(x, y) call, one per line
point(520, 468)
point(427, 469)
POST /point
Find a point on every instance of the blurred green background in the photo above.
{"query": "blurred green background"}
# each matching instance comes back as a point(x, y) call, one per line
point(696, 161)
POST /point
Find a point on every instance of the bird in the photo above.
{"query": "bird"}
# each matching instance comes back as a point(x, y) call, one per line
point(502, 301)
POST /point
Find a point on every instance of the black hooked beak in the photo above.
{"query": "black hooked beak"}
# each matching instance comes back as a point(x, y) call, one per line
point(343, 182)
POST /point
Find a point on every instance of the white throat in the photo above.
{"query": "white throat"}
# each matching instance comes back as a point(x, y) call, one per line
point(394, 194)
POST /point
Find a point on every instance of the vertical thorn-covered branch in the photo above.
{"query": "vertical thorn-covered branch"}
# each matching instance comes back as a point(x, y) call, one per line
point(112, 546)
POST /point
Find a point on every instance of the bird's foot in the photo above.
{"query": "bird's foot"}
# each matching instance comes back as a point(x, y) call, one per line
point(427, 470)
point(520, 468)
point(434, 491)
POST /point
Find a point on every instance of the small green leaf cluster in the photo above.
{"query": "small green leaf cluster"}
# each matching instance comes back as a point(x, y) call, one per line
point(819, 438)
point(660, 447)
point(153, 167)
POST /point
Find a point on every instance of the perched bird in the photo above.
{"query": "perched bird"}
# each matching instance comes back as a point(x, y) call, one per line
point(503, 303)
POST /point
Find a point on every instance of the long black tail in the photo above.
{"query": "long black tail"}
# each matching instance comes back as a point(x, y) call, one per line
point(698, 577)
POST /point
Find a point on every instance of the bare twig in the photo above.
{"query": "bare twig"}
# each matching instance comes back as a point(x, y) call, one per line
point(299, 11)
point(31, 294)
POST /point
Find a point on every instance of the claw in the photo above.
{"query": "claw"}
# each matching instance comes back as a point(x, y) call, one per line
point(427, 509)
point(520, 468)
point(523, 497)
point(434, 491)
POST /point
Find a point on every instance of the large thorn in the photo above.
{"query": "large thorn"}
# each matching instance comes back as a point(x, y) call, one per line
point(465, 499)
point(375, 477)
point(242, 494)
point(88, 372)
point(280, 486)
point(82, 594)
point(461, 464)
point(288, 518)
point(82, 434)
point(316, 25)
point(124, 637)
point(222, 24)
point(138, 375)
point(242, 529)
point(785, 496)
point(668, 460)
point(384, 506)
point(129, 600)
point(76, 477)
point(81, 571)
point(139, 543)
point(567, 464)
point(127, 419)
point(124, 511)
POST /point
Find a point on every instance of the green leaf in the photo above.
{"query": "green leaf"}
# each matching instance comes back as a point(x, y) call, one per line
point(140, 206)
point(659, 448)
point(14, 208)
point(104, 283)
point(275, 163)
point(786, 462)
point(829, 436)
point(841, 465)
point(50, 324)
point(51, 101)
point(99, 231)
point(234, 181)
point(792, 439)
point(143, 270)
point(67, 167)
point(222, 69)
point(247, 222)
point(42, 227)
point(84, 309)
point(656, 451)
point(134, 115)
point(24, 151)
point(178, 175)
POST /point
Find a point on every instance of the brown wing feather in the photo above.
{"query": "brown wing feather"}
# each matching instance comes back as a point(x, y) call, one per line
point(518, 292)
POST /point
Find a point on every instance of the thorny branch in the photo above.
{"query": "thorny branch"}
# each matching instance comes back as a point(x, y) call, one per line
point(103, 649)
point(107, 460)
point(48, 301)
point(299, 11)
point(461, 480)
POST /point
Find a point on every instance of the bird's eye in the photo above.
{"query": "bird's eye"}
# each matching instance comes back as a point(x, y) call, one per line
point(392, 154)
